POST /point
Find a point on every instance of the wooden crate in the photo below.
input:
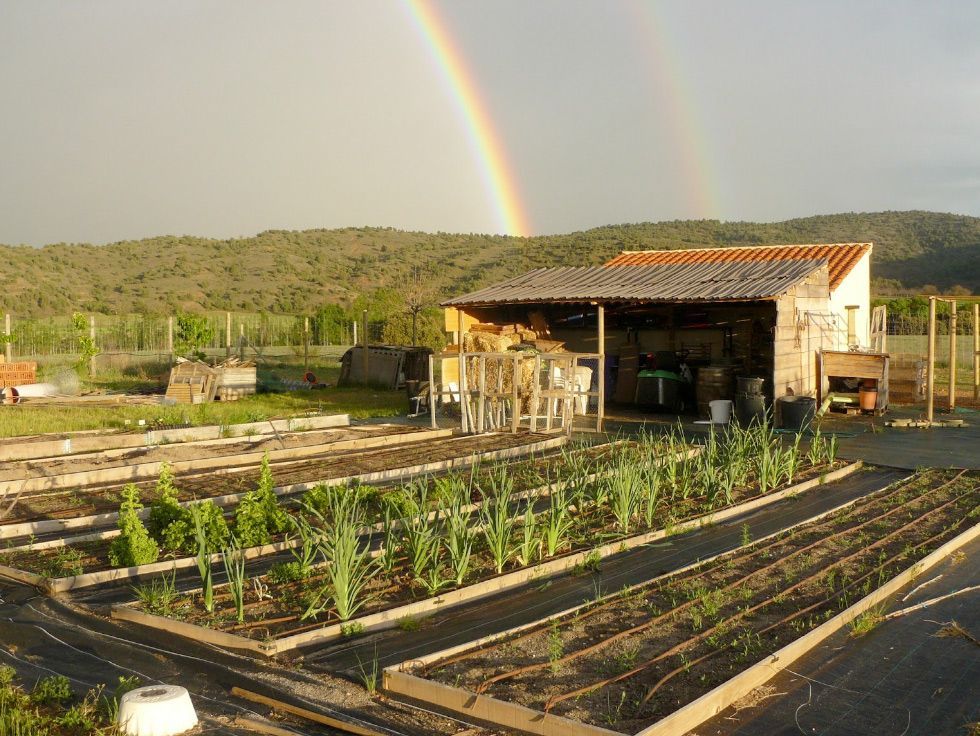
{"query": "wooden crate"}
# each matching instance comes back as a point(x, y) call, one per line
point(18, 374)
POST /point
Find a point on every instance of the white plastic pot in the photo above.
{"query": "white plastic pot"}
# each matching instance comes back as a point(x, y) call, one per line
point(157, 710)
point(721, 411)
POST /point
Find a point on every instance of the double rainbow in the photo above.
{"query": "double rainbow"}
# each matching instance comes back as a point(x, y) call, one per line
point(496, 171)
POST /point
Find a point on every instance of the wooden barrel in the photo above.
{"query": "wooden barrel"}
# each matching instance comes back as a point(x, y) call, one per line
point(714, 382)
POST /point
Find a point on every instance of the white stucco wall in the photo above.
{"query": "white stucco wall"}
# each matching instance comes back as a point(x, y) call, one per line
point(855, 289)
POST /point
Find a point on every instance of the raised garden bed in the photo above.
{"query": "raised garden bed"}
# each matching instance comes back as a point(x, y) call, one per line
point(616, 510)
point(634, 659)
point(55, 511)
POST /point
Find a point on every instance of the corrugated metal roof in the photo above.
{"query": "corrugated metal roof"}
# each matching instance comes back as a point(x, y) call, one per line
point(841, 257)
point(692, 282)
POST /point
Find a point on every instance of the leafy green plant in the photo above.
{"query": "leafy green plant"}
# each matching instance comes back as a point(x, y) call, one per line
point(459, 541)
point(259, 516)
point(134, 546)
point(169, 522)
point(557, 522)
point(55, 689)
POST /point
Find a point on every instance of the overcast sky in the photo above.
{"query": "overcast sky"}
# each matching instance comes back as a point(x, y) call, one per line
point(131, 118)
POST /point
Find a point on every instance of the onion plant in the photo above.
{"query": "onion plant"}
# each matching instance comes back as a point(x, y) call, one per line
point(460, 537)
point(349, 565)
point(234, 561)
point(498, 524)
point(556, 522)
point(203, 559)
point(308, 550)
point(625, 484)
point(529, 543)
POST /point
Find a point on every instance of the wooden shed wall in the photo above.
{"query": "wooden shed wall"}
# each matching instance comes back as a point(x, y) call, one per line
point(798, 337)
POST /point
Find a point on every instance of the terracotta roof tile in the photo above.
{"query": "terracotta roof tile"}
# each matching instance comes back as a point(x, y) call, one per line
point(841, 257)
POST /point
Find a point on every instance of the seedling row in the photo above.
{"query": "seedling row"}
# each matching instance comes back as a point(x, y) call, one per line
point(632, 659)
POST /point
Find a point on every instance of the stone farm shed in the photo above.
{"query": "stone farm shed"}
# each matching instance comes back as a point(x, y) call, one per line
point(761, 311)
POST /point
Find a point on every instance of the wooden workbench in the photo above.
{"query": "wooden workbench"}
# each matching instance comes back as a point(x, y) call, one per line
point(846, 364)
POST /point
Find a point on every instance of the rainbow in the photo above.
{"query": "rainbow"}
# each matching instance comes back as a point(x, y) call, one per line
point(496, 171)
point(702, 191)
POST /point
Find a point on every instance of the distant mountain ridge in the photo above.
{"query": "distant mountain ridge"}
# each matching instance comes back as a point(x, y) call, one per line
point(297, 271)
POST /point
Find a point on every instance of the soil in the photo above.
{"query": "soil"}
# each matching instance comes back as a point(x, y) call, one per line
point(693, 631)
point(337, 464)
point(179, 452)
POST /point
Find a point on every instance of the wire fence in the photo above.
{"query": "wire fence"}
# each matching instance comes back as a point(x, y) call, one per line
point(31, 339)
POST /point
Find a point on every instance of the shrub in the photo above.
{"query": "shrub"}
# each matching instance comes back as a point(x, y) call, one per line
point(258, 515)
point(134, 546)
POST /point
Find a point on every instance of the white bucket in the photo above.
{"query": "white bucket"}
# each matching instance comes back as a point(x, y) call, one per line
point(157, 710)
point(721, 411)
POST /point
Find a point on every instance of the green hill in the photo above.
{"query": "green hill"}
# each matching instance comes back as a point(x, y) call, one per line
point(295, 272)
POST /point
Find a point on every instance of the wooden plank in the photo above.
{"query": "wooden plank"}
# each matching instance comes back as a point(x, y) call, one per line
point(309, 715)
point(485, 708)
point(264, 727)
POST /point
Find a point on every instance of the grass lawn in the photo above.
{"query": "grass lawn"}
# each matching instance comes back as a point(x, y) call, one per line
point(359, 402)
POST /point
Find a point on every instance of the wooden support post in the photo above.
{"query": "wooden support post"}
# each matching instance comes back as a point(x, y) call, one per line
point(500, 410)
point(170, 337)
point(550, 401)
point(931, 359)
point(601, 368)
point(432, 393)
point(8, 348)
point(354, 340)
point(535, 393)
point(241, 341)
point(306, 343)
point(952, 354)
point(91, 335)
point(481, 405)
point(227, 334)
point(365, 360)
point(515, 396)
point(976, 351)
point(463, 400)
point(571, 397)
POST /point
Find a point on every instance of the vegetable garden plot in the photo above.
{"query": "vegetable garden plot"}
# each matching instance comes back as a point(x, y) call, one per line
point(75, 506)
point(635, 658)
point(82, 558)
point(339, 583)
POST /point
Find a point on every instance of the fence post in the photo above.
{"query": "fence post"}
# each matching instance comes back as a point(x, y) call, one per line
point(976, 351)
point(931, 360)
point(170, 338)
point(952, 354)
point(433, 398)
point(365, 361)
point(306, 344)
point(227, 334)
point(241, 341)
point(91, 335)
point(354, 340)
point(8, 348)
